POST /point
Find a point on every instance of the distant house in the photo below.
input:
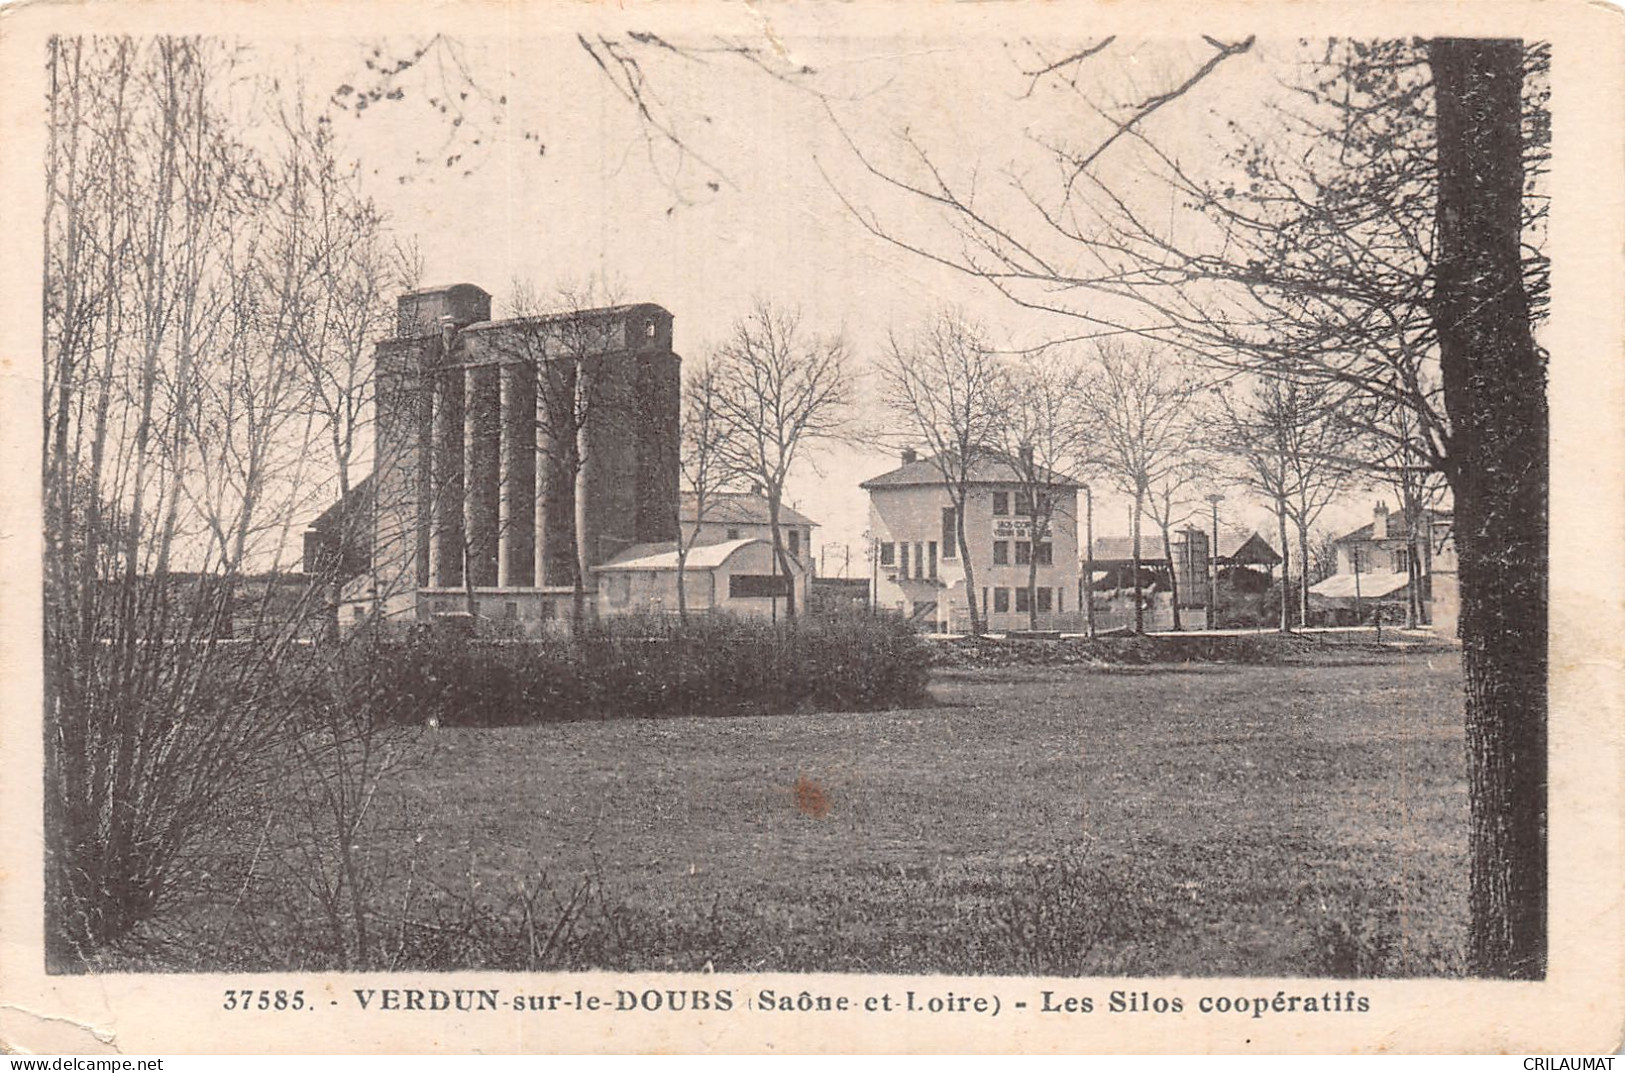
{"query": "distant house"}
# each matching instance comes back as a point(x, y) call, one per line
point(737, 577)
point(740, 515)
point(915, 565)
point(1389, 566)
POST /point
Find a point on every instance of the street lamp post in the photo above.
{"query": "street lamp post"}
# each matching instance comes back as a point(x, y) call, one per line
point(1213, 499)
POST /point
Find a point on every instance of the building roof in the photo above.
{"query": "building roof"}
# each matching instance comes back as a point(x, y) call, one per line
point(1247, 549)
point(358, 499)
point(987, 468)
point(1244, 547)
point(1398, 521)
point(749, 508)
point(1372, 586)
point(596, 313)
point(663, 556)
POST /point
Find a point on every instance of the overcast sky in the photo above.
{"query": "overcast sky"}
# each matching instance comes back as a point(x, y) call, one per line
point(551, 177)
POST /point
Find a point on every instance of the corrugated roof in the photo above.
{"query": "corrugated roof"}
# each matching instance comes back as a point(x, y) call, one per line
point(663, 556)
point(743, 507)
point(987, 468)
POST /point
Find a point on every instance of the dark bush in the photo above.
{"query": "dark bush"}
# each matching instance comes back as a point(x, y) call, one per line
point(646, 667)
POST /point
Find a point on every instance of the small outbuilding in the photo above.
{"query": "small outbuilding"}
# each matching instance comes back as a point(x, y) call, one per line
point(736, 577)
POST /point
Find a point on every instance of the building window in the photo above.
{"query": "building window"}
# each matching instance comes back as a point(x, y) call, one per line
point(919, 560)
point(1001, 601)
point(1024, 553)
point(1001, 502)
point(888, 554)
point(950, 534)
point(1024, 504)
point(1023, 600)
point(1001, 553)
point(1402, 560)
point(795, 543)
point(357, 612)
point(902, 558)
point(1044, 554)
point(931, 550)
point(510, 610)
point(1043, 596)
point(733, 533)
point(745, 586)
point(1060, 604)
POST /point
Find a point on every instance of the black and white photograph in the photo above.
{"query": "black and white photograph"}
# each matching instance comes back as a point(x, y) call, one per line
point(813, 527)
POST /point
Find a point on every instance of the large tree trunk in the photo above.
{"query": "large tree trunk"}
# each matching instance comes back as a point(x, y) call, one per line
point(1134, 530)
point(1286, 569)
point(965, 563)
point(1495, 394)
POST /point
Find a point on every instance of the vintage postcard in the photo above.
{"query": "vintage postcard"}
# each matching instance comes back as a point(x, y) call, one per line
point(1043, 527)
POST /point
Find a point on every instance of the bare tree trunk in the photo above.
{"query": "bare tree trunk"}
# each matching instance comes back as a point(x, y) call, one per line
point(1032, 579)
point(579, 560)
point(1303, 574)
point(1173, 575)
point(1134, 536)
point(682, 578)
point(976, 627)
point(1286, 572)
point(1495, 392)
point(779, 555)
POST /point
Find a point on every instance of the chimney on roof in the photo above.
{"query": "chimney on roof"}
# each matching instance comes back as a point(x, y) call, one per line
point(910, 456)
point(1027, 456)
point(1379, 522)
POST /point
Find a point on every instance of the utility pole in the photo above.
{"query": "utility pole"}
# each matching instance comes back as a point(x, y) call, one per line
point(1213, 499)
point(1088, 587)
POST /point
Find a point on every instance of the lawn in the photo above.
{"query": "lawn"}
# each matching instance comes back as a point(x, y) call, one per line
point(1164, 820)
point(1200, 819)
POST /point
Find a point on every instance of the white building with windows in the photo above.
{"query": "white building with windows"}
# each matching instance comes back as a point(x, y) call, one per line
point(915, 564)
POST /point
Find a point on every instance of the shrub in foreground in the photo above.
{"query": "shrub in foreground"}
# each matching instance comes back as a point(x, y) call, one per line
point(650, 667)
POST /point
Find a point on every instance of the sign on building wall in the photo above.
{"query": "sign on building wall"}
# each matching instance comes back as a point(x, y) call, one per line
point(1012, 528)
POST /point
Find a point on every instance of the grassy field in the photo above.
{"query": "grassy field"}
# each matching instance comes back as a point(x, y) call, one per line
point(1192, 820)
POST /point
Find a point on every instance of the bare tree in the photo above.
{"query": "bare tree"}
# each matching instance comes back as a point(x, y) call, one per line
point(1169, 502)
point(1141, 407)
point(173, 439)
point(1294, 447)
point(1495, 392)
point(946, 387)
point(1394, 167)
point(704, 468)
point(1047, 445)
point(779, 391)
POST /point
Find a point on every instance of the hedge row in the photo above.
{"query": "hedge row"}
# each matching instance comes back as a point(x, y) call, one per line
point(638, 668)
